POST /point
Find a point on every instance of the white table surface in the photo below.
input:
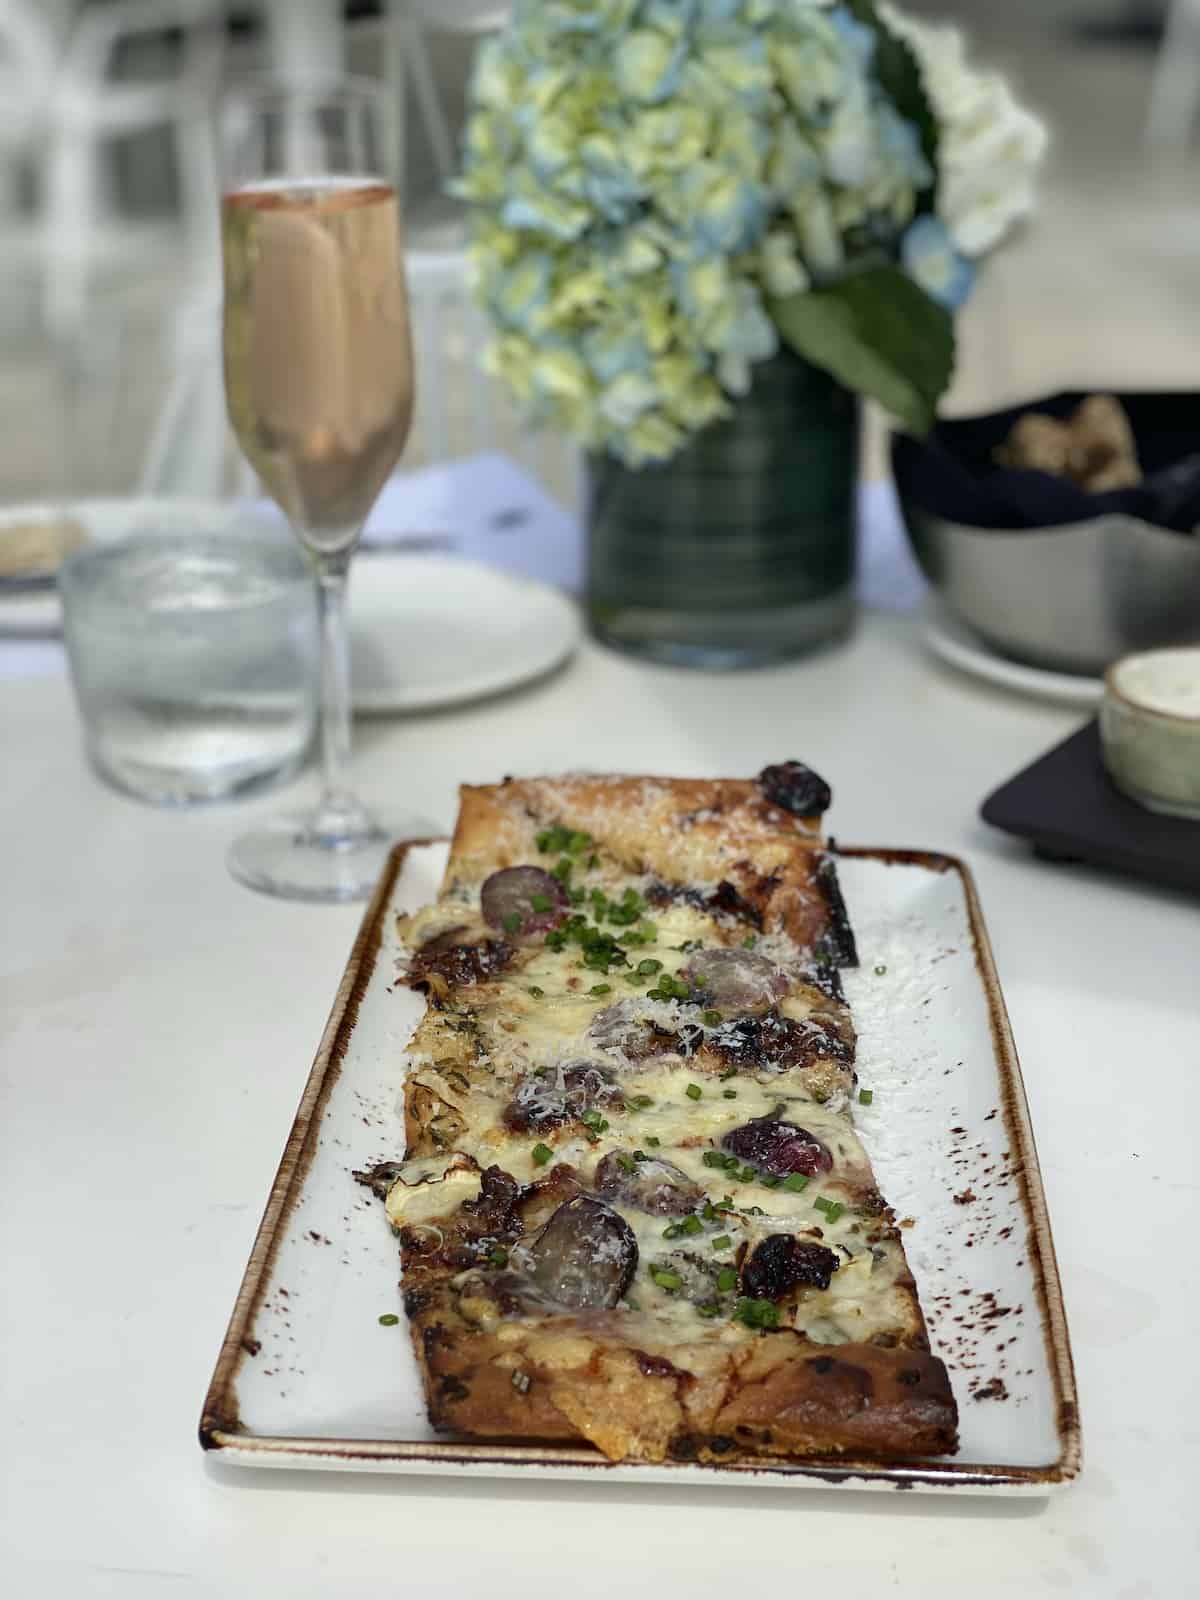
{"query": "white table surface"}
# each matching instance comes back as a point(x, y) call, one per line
point(156, 1027)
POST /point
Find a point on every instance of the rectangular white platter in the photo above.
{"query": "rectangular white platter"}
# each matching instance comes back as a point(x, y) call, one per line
point(308, 1376)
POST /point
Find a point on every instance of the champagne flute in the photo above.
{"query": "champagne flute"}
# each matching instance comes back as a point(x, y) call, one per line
point(319, 387)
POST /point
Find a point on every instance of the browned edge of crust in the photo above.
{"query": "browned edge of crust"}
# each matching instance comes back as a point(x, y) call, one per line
point(776, 1396)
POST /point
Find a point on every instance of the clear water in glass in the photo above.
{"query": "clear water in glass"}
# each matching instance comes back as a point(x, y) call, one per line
point(194, 661)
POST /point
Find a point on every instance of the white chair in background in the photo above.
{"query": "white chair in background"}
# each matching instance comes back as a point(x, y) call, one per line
point(28, 56)
point(89, 108)
point(1175, 90)
point(406, 60)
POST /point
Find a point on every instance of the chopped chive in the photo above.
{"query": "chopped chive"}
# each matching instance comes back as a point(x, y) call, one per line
point(538, 994)
point(880, 970)
point(593, 1119)
point(755, 1211)
point(712, 1019)
point(512, 922)
point(769, 1180)
point(649, 967)
point(540, 902)
point(590, 862)
point(713, 1158)
point(796, 1182)
point(498, 1258)
point(835, 1210)
point(729, 1094)
point(592, 1138)
point(640, 1155)
point(634, 978)
point(749, 942)
point(600, 988)
point(694, 1091)
point(757, 1313)
point(865, 1096)
point(666, 1280)
point(653, 1141)
point(721, 1242)
point(639, 1102)
point(727, 1072)
point(554, 940)
point(389, 1319)
point(747, 1174)
point(726, 1279)
point(691, 1224)
point(541, 1154)
point(577, 896)
point(578, 842)
point(672, 1231)
point(626, 1163)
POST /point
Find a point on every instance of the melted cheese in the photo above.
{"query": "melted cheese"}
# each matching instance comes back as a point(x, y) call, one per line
point(520, 1032)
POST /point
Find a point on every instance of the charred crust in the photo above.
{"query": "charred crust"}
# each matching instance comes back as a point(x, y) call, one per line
point(655, 1366)
point(436, 1337)
point(452, 1388)
point(795, 788)
point(416, 1301)
point(836, 944)
point(379, 1179)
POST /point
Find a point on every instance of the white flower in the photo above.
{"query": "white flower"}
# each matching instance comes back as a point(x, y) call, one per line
point(989, 147)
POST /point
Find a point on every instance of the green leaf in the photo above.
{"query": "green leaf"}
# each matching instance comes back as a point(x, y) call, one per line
point(897, 72)
point(879, 334)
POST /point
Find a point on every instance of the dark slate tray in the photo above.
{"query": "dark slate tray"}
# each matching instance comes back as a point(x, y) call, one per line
point(1068, 807)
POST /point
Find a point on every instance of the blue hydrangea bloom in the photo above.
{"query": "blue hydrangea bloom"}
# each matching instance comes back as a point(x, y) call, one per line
point(645, 175)
point(930, 259)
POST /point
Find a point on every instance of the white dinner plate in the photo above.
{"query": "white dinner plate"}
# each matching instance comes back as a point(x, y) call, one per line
point(310, 1376)
point(425, 631)
point(429, 631)
point(952, 641)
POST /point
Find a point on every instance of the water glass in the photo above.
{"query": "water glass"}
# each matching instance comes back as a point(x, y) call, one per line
point(194, 661)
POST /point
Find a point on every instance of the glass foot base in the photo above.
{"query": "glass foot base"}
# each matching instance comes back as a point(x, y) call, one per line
point(289, 858)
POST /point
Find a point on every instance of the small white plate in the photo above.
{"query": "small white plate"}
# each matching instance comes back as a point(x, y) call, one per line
point(37, 613)
point(954, 642)
point(429, 631)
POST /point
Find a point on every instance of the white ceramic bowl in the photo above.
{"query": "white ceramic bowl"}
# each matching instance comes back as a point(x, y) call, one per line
point(1150, 729)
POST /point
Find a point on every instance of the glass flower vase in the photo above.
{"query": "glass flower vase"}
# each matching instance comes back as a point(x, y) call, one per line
point(740, 549)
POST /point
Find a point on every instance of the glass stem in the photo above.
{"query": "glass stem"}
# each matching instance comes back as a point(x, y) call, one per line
point(340, 817)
